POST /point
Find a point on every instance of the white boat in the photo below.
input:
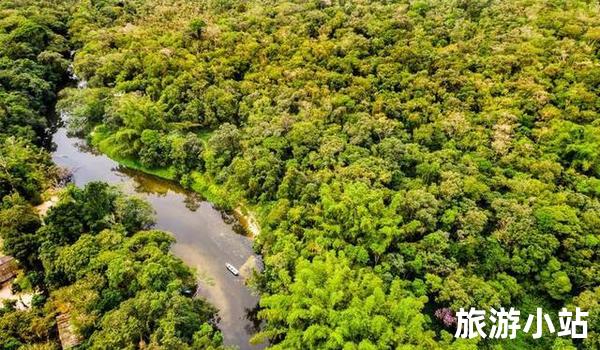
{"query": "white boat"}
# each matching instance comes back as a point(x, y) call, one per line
point(232, 269)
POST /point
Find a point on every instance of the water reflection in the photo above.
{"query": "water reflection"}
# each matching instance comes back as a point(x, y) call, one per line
point(252, 315)
point(206, 238)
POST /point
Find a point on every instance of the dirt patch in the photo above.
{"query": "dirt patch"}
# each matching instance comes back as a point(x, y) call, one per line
point(23, 299)
point(251, 265)
point(43, 208)
point(247, 221)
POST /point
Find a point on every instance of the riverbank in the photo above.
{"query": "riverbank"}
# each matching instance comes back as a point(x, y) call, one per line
point(205, 241)
point(198, 182)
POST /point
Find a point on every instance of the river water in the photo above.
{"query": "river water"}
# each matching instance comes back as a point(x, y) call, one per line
point(204, 240)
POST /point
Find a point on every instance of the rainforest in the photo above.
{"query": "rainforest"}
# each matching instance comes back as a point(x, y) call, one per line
point(386, 163)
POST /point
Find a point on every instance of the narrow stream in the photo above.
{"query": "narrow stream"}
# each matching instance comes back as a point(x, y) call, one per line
point(204, 240)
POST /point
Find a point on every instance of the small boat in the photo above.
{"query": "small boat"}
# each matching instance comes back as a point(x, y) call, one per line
point(232, 269)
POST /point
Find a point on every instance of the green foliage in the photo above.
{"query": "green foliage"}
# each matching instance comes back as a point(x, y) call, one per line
point(83, 115)
point(32, 65)
point(442, 154)
point(92, 209)
point(589, 301)
point(92, 258)
point(24, 169)
point(186, 154)
point(117, 281)
point(153, 150)
point(196, 28)
point(33, 326)
point(18, 223)
point(334, 306)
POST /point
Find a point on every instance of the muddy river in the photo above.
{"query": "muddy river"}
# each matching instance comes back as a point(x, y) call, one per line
point(204, 240)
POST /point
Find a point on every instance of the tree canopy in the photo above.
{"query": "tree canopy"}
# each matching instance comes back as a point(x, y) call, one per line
point(442, 153)
point(405, 156)
point(94, 257)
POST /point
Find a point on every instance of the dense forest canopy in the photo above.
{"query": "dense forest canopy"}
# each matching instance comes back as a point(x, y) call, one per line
point(94, 257)
point(33, 63)
point(96, 261)
point(405, 157)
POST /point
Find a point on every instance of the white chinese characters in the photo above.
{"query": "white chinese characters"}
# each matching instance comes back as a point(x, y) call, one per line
point(569, 327)
point(505, 324)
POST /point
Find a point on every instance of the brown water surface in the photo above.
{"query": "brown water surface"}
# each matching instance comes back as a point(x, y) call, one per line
point(204, 240)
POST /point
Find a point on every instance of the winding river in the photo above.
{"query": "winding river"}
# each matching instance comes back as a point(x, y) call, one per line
point(204, 240)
